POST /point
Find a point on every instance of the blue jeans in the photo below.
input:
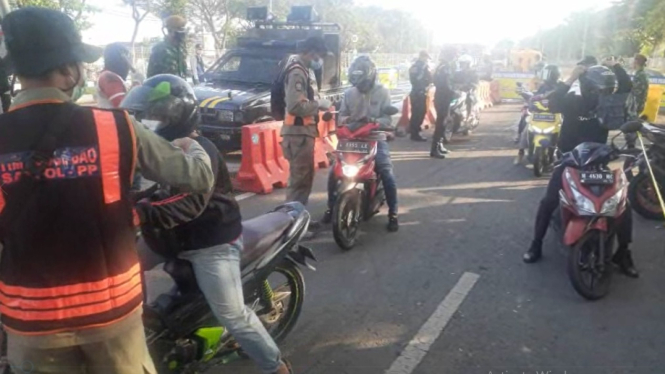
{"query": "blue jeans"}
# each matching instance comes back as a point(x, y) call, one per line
point(217, 272)
point(384, 167)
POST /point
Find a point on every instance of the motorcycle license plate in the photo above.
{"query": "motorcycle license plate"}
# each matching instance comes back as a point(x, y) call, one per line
point(543, 117)
point(353, 146)
point(587, 177)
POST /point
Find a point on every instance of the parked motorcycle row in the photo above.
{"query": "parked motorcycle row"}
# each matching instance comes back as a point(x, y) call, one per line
point(594, 195)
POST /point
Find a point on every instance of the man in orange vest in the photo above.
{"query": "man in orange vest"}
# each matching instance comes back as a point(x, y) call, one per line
point(70, 281)
point(301, 117)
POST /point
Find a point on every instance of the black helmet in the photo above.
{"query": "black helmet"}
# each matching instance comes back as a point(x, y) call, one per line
point(598, 80)
point(550, 73)
point(117, 59)
point(166, 104)
point(362, 73)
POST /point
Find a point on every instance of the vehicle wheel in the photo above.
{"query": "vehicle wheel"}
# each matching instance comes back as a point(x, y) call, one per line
point(590, 279)
point(346, 219)
point(643, 198)
point(449, 124)
point(538, 162)
point(286, 287)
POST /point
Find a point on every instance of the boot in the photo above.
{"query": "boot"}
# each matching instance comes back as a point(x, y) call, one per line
point(393, 223)
point(438, 151)
point(534, 253)
point(624, 260)
point(520, 157)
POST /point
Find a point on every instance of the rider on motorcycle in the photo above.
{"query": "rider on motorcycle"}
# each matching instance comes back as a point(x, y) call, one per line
point(366, 102)
point(466, 79)
point(577, 99)
point(550, 76)
point(204, 229)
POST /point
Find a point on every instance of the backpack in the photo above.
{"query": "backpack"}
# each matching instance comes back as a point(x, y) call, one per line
point(277, 93)
point(611, 110)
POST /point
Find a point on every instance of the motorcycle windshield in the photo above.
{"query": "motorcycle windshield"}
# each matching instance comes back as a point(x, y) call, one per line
point(588, 154)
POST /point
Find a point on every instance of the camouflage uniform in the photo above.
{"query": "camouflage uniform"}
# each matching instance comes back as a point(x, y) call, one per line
point(167, 58)
point(638, 96)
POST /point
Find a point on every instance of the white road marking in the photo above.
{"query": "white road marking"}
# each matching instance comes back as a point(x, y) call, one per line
point(244, 196)
point(419, 346)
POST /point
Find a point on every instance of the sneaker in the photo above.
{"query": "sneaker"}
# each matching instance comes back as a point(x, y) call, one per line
point(327, 217)
point(393, 223)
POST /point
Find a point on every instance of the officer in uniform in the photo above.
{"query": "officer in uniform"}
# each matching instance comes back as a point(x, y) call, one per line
point(421, 78)
point(442, 97)
point(69, 275)
point(301, 117)
point(170, 55)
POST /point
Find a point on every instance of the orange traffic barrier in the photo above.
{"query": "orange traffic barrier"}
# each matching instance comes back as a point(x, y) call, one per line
point(430, 112)
point(484, 98)
point(263, 166)
point(321, 146)
point(495, 92)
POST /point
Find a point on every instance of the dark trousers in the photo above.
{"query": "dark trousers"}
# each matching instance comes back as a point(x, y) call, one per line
point(418, 109)
point(442, 105)
point(550, 202)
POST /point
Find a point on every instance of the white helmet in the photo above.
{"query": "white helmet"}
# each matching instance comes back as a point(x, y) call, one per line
point(465, 59)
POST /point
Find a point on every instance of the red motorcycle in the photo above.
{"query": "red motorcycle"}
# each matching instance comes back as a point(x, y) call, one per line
point(360, 192)
point(593, 199)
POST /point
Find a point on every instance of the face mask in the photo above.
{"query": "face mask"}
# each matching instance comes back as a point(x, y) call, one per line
point(79, 89)
point(316, 64)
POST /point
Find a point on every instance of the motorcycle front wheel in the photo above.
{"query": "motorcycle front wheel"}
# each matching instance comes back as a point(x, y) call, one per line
point(346, 219)
point(590, 276)
point(643, 197)
point(538, 162)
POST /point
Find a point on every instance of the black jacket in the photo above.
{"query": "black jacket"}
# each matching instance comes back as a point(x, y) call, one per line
point(579, 125)
point(420, 77)
point(173, 222)
point(443, 81)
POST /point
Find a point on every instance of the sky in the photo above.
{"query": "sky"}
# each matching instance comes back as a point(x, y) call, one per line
point(455, 21)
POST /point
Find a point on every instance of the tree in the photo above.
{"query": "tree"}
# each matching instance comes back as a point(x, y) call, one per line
point(78, 10)
point(140, 10)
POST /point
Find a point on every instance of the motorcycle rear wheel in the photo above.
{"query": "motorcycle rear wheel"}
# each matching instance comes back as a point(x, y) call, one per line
point(291, 293)
point(587, 279)
point(346, 219)
point(643, 199)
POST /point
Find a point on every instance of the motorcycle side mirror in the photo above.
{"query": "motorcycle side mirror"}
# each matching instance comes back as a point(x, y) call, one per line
point(327, 116)
point(390, 111)
point(631, 127)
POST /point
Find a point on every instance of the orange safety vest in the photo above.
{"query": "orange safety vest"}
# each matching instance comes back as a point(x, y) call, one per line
point(290, 119)
point(66, 223)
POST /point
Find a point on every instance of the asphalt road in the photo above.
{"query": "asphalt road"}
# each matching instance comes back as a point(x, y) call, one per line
point(471, 213)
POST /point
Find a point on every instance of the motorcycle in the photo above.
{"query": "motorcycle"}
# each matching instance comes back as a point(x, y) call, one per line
point(182, 333)
point(593, 198)
point(461, 119)
point(360, 192)
point(642, 194)
point(543, 129)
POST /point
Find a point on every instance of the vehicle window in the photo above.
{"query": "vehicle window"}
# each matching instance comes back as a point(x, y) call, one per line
point(247, 68)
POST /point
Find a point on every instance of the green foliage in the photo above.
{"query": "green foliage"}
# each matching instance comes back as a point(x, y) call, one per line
point(78, 10)
point(625, 28)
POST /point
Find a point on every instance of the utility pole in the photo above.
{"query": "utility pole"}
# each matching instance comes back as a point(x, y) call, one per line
point(586, 33)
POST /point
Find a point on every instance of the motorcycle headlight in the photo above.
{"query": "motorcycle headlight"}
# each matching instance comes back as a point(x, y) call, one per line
point(583, 204)
point(350, 171)
point(611, 205)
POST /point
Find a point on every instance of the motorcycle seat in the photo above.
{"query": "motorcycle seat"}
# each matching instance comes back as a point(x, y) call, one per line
point(261, 233)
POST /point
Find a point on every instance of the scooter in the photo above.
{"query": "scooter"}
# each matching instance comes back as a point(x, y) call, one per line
point(182, 333)
point(360, 192)
point(461, 119)
point(543, 129)
point(593, 199)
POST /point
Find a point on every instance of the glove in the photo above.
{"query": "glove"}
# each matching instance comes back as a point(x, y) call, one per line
point(324, 104)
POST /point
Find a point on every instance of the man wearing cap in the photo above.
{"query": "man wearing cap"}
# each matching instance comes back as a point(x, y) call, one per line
point(69, 274)
point(421, 79)
point(111, 86)
point(170, 55)
point(302, 116)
